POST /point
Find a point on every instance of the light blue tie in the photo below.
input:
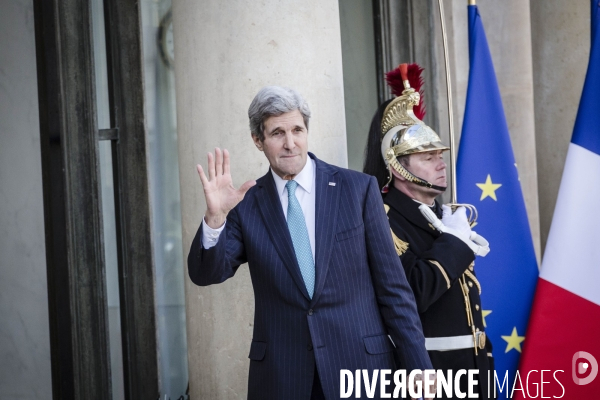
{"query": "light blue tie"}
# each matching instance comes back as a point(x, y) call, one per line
point(297, 226)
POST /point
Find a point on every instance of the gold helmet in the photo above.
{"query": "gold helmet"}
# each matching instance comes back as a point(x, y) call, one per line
point(403, 132)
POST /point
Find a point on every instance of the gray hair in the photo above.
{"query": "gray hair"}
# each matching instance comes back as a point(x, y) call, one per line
point(273, 101)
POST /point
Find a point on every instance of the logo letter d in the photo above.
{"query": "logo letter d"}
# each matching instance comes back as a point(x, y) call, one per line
point(592, 363)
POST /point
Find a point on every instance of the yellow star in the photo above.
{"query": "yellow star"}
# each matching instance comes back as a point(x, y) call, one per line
point(514, 341)
point(485, 313)
point(488, 188)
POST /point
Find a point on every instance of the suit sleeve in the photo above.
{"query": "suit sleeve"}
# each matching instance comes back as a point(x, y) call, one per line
point(219, 263)
point(437, 269)
point(394, 295)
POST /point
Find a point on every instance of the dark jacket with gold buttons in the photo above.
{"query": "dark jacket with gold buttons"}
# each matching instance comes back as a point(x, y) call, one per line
point(435, 265)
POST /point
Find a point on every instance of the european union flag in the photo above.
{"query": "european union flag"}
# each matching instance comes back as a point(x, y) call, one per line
point(487, 178)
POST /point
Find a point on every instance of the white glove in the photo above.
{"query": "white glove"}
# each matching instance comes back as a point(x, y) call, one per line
point(458, 226)
point(457, 221)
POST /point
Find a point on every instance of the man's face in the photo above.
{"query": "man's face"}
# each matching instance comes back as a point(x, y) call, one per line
point(429, 166)
point(285, 144)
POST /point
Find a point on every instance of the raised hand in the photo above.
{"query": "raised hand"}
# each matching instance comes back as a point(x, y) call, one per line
point(219, 192)
point(457, 224)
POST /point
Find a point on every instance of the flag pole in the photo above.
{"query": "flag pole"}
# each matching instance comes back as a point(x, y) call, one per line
point(450, 113)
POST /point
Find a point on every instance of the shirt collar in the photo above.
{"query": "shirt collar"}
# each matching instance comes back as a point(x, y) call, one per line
point(434, 207)
point(304, 178)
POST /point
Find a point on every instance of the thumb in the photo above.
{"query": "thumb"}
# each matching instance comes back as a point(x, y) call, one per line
point(245, 187)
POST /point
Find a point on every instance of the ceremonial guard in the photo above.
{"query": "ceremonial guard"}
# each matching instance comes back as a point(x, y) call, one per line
point(434, 242)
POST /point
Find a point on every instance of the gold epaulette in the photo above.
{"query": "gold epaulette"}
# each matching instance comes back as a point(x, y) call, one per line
point(400, 245)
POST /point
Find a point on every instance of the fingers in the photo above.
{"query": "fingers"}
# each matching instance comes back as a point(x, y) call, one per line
point(218, 164)
point(461, 211)
point(225, 161)
point(211, 166)
point(201, 174)
point(218, 161)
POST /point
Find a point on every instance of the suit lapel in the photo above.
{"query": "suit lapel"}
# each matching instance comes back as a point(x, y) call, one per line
point(328, 189)
point(274, 220)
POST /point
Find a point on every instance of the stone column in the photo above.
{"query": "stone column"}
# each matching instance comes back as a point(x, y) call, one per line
point(25, 370)
point(561, 48)
point(225, 52)
point(508, 30)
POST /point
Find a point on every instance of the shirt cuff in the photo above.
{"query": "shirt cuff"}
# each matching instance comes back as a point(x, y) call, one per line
point(210, 236)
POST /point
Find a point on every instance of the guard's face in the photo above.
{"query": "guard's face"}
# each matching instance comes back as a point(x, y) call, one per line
point(285, 143)
point(429, 166)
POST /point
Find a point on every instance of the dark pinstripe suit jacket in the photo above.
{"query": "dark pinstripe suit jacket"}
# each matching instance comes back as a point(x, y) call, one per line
point(361, 293)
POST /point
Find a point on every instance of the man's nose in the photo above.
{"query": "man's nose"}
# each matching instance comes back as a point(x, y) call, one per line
point(289, 141)
point(441, 165)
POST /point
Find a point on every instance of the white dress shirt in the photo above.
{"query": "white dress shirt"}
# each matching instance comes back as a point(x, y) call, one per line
point(305, 193)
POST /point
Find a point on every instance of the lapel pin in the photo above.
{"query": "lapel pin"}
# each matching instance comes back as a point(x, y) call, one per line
point(331, 183)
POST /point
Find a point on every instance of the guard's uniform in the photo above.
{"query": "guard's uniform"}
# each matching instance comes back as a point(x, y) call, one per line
point(436, 265)
point(439, 266)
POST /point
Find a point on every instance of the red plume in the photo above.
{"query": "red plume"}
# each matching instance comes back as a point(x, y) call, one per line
point(394, 80)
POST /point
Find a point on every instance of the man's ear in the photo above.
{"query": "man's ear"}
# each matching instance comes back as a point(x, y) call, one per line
point(397, 175)
point(257, 142)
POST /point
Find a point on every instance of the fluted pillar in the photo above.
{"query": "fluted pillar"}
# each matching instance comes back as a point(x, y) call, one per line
point(224, 53)
point(561, 49)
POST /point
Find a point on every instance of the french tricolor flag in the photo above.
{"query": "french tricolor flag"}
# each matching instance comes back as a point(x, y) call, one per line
point(564, 327)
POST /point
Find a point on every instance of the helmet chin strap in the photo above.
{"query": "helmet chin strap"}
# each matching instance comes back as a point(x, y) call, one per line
point(399, 168)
